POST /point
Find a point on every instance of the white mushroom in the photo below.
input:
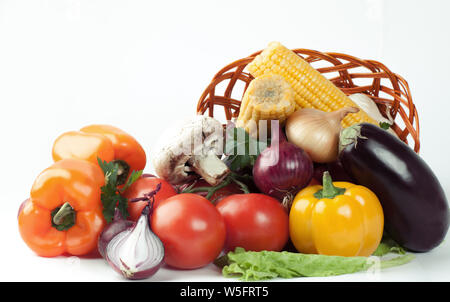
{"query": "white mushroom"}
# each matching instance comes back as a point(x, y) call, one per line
point(193, 151)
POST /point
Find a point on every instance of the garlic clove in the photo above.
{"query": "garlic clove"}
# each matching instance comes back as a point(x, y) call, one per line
point(369, 106)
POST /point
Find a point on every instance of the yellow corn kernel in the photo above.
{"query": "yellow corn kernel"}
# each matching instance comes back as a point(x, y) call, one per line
point(311, 88)
point(268, 97)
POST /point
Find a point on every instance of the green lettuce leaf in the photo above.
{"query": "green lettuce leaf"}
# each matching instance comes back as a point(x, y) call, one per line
point(255, 266)
point(388, 245)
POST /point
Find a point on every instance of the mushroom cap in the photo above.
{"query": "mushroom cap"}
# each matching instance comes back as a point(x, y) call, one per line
point(197, 136)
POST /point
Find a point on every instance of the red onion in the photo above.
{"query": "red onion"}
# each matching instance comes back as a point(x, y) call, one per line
point(135, 252)
point(282, 169)
point(111, 230)
point(22, 205)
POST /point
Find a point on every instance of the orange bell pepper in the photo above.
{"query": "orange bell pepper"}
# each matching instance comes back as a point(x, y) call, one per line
point(105, 142)
point(64, 212)
point(81, 145)
point(340, 218)
point(125, 147)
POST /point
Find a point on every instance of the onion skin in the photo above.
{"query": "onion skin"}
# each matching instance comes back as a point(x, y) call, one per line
point(117, 226)
point(141, 274)
point(317, 132)
point(415, 208)
point(292, 172)
point(22, 205)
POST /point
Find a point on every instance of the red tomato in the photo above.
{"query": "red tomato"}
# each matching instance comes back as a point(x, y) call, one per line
point(254, 222)
point(144, 185)
point(191, 229)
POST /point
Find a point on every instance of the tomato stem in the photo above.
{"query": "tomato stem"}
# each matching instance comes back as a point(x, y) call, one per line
point(242, 185)
point(223, 184)
point(212, 190)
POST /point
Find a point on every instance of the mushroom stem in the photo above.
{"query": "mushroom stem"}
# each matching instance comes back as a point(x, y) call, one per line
point(209, 167)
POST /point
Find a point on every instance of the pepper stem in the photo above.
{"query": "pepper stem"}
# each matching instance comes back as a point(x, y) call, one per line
point(328, 190)
point(122, 172)
point(63, 218)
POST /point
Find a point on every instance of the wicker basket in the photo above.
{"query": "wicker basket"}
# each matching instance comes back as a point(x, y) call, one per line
point(350, 74)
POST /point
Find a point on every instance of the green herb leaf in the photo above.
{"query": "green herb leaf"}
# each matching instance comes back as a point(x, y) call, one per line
point(133, 177)
point(110, 194)
point(107, 167)
point(242, 149)
point(385, 125)
point(109, 198)
point(122, 205)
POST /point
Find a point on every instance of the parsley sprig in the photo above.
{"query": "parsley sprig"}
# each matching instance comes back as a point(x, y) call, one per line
point(242, 149)
point(385, 126)
point(111, 195)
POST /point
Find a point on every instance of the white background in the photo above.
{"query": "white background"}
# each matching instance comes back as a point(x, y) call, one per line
point(142, 65)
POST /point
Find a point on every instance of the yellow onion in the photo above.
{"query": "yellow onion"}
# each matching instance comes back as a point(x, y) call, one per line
point(317, 132)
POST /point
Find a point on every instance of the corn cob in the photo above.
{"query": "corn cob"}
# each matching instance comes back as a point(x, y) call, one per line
point(311, 88)
point(268, 97)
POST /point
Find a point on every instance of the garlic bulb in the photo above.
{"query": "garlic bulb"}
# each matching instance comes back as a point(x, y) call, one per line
point(317, 132)
point(366, 104)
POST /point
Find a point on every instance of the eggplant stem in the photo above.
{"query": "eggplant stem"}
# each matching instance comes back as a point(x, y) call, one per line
point(349, 136)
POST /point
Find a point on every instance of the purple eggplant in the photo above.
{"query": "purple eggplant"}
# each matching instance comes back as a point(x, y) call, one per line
point(335, 169)
point(415, 207)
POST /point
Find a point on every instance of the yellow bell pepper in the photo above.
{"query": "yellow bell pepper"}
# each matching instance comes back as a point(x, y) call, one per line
point(340, 218)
